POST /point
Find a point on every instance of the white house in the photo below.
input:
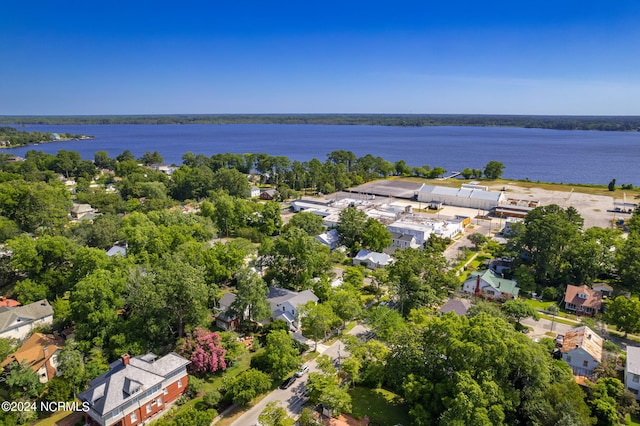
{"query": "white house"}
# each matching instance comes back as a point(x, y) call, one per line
point(372, 259)
point(488, 283)
point(18, 322)
point(285, 304)
point(582, 350)
point(632, 370)
point(403, 241)
point(255, 191)
point(331, 238)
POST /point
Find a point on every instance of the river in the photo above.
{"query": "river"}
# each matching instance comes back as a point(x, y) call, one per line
point(534, 154)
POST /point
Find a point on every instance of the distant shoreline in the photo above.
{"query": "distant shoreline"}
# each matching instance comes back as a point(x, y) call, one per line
point(597, 123)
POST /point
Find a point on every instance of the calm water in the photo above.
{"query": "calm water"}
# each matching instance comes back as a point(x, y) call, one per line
point(536, 154)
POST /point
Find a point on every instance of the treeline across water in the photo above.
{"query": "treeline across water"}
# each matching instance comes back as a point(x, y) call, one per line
point(10, 137)
point(605, 123)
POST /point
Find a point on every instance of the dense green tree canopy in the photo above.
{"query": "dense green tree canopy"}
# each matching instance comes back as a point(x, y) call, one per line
point(456, 370)
point(293, 259)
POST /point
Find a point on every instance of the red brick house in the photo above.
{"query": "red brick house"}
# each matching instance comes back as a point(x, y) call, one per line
point(582, 300)
point(135, 389)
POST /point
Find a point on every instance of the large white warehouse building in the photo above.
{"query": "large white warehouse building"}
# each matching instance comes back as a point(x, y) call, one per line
point(473, 197)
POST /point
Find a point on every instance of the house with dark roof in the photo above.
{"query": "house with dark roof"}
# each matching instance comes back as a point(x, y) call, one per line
point(582, 300)
point(268, 194)
point(490, 284)
point(135, 390)
point(401, 240)
point(286, 304)
point(582, 350)
point(225, 318)
point(40, 354)
point(458, 306)
point(17, 322)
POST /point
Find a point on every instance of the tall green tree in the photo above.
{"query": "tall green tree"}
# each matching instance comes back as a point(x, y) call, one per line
point(318, 320)
point(232, 181)
point(375, 236)
point(493, 169)
point(625, 314)
point(35, 206)
point(419, 278)
point(71, 366)
point(251, 299)
point(311, 223)
point(518, 310)
point(351, 226)
point(281, 354)
point(247, 385)
point(293, 259)
point(550, 232)
point(273, 415)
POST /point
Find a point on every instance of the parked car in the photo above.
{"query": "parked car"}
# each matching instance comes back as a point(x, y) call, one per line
point(302, 370)
point(288, 382)
point(559, 340)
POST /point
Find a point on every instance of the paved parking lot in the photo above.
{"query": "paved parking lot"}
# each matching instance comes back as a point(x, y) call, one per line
point(595, 209)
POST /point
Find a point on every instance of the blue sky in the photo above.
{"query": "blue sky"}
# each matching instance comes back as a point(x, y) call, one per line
point(455, 57)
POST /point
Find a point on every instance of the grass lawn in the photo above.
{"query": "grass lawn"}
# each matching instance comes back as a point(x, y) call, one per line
point(382, 406)
point(215, 383)
point(559, 320)
point(67, 418)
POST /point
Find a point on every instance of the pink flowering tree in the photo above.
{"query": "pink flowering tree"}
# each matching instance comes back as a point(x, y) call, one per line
point(203, 348)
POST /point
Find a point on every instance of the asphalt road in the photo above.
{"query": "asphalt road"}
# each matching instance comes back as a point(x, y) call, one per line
point(543, 326)
point(292, 399)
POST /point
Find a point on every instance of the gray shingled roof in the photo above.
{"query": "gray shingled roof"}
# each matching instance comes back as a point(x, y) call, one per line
point(277, 296)
point(28, 313)
point(226, 301)
point(123, 383)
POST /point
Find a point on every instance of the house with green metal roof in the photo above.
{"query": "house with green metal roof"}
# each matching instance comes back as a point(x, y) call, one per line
point(490, 284)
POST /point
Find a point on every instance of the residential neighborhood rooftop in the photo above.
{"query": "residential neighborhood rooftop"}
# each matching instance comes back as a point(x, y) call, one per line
point(583, 337)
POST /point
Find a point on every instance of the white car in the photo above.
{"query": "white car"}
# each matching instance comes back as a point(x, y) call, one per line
point(302, 370)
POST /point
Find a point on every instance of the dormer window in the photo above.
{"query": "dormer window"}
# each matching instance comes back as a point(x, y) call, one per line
point(583, 296)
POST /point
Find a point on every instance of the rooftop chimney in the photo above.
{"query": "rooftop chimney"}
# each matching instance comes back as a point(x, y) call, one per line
point(46, 352)
point(125, 359)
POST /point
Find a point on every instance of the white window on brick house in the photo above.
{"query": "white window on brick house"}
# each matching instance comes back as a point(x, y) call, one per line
point(179, 383)
point(134, 417)
point(148, 408)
